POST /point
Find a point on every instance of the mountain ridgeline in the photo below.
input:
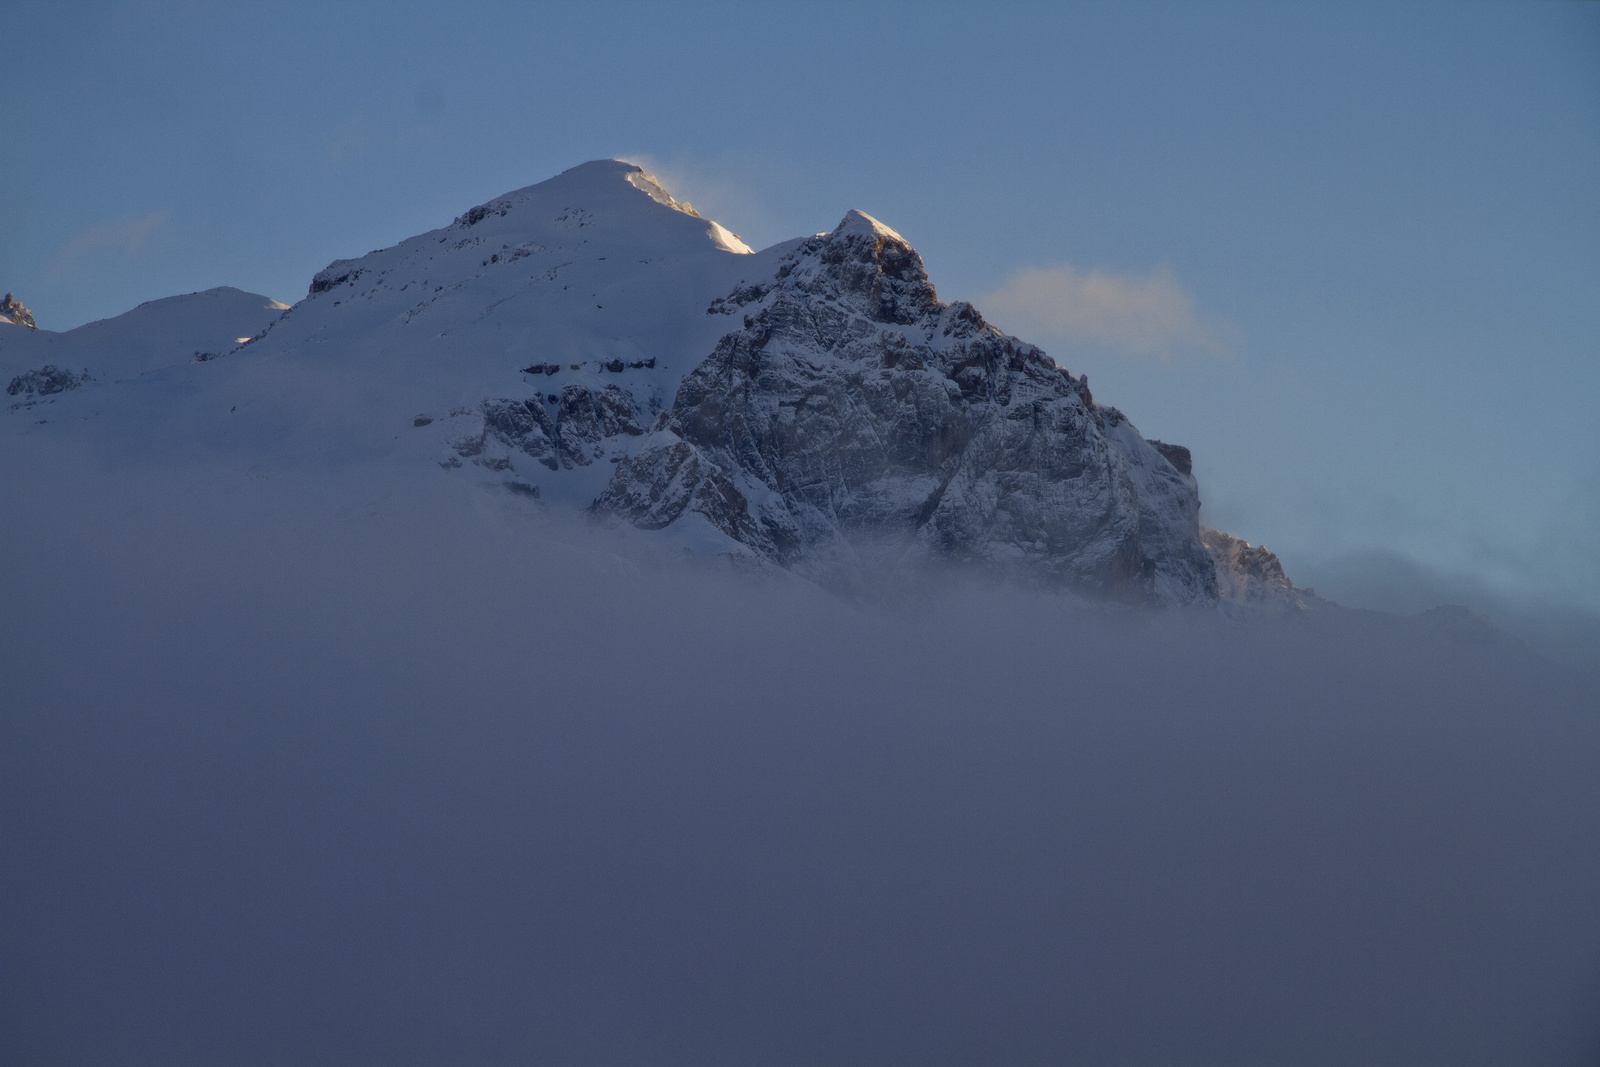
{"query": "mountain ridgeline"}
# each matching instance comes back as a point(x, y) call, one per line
point(595, 344)
point(852, 421)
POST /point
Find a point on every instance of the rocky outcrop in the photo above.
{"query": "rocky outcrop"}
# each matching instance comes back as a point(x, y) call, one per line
point(856, 423)
point(1249, 574)
point(12, 311)
point(46, 381)
point(560, 431)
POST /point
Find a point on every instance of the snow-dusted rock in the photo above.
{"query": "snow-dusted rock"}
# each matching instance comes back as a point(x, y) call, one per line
point(1249, 574)
point(46, 380)
point(559, 431)
point(12, 311)
point(866, 424)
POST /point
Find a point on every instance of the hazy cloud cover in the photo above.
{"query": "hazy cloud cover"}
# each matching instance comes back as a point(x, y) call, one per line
point(1140, 315)
point(1387, 581)
point(423, 774)
point(126, 238)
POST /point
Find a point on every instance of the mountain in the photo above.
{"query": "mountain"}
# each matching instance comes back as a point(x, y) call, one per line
point(592, 342)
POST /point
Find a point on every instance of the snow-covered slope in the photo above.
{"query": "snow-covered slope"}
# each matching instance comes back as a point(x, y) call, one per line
point(592, 342)
point(157, 334)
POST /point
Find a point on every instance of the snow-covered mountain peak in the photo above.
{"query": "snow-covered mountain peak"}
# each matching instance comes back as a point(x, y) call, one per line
point(602, 201)
point(859, 223)
point(594, 343)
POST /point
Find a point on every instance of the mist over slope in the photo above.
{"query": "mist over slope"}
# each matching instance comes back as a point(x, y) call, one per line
point(1392, 583)
point(430, 775)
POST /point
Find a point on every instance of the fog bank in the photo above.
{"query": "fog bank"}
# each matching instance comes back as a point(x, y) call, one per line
point(428, 777)
point(1387, 582)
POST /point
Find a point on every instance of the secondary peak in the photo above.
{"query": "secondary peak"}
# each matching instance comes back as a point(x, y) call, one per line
point(860, 223)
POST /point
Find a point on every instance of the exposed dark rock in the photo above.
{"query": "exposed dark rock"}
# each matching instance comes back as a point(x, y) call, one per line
point(661, 484)
point(523, 425)
point(1176, 455)
point(585, 417)
point(333, 276)
point(573, 435)
point(476, 215)
point(46, 381)
point(744, 294)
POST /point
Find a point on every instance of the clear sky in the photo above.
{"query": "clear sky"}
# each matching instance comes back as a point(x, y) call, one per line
point(1350, 256)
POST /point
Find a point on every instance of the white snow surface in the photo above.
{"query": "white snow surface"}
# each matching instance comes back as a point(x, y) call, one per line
point(594, 266)
point(161, 333)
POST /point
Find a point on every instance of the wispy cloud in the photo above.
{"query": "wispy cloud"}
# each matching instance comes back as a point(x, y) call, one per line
point(1142, 315)
point(124, 237)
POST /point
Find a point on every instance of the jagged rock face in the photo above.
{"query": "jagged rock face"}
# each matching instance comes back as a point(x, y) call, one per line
point(864, 423)
point(560, 431)
point(12, 311)
point(1249, 574)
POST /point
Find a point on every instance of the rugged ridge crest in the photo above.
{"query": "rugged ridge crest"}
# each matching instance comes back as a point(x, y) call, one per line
point(591, 342)
point(854, 422)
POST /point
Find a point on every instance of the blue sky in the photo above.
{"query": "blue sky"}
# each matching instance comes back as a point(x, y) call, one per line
point(1350, 256)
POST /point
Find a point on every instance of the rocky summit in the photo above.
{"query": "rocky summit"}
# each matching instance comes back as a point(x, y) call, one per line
point(851, 422)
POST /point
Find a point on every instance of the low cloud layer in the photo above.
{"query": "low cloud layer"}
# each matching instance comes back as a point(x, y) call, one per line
point(1382, 581)
point(1141, 315)
point(424, 775)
